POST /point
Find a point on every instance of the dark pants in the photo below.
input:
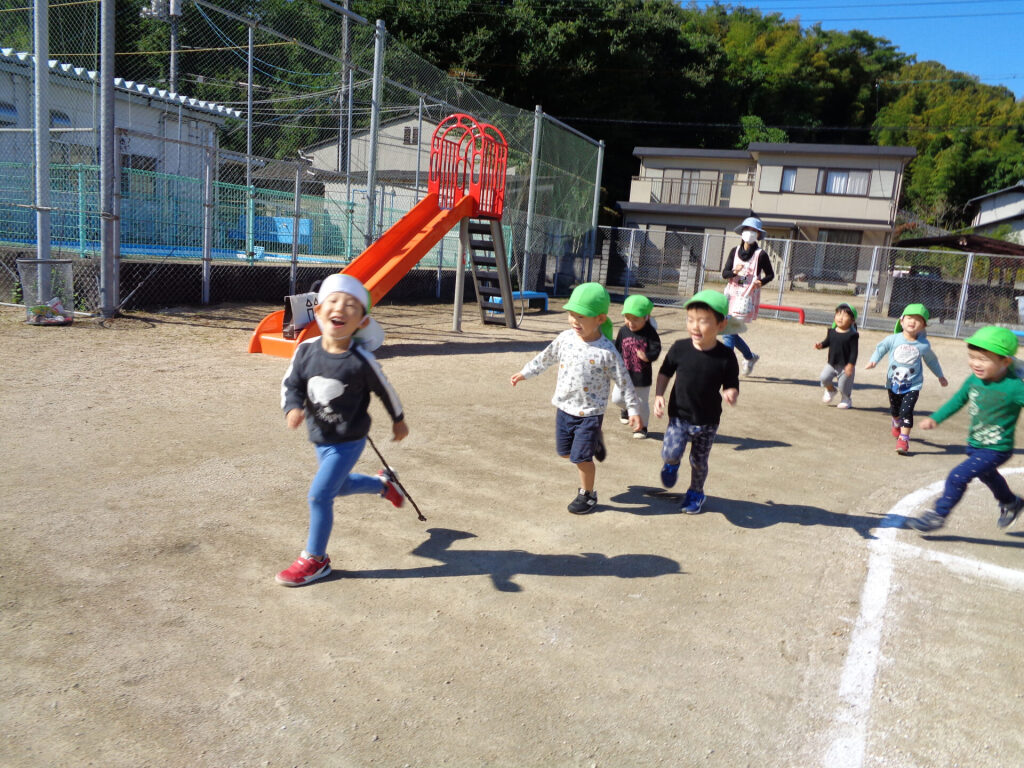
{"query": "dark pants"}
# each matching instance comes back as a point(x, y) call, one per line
point(902, 406)
point(980, 463)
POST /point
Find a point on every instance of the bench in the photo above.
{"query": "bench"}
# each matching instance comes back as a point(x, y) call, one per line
point(531, 297)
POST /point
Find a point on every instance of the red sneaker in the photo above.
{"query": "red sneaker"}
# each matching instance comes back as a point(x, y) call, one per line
point(304, 570)
point(895, 428)
point(902, 445)
point(391, 490)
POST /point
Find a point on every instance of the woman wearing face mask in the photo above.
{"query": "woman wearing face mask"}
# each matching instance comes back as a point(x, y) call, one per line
point(747, 268)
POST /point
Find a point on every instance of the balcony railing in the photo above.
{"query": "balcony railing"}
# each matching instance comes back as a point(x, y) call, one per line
point(723, 192)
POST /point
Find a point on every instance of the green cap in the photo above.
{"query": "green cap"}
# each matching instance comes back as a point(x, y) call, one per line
point(637, 305)
point(849, 308)
point(591, 300)
point(1002, 341)
point(913, 309)
point(717, 301)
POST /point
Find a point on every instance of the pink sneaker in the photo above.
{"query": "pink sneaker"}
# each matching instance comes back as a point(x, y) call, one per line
point(895, 428)
point(304, 570)
point(903, 445)
point(391, 490)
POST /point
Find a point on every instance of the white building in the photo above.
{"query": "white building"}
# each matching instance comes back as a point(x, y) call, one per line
point(1004, 207)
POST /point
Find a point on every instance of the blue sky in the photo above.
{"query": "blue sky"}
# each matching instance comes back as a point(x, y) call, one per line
point(979, 37)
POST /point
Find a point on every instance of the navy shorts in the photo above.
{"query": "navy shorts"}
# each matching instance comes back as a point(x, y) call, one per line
point(577, 436)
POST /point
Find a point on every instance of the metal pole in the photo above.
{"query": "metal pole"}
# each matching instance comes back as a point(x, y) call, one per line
point(596, 209)
point(295, 230)
point(531, 200)
point(41, 124)
point(207, 224)
point(419, 145)
point(250, 212)
point(965, 286)
point(341, 91)
point(175, 14)
point(870, 284)
point(783, 272)
point(629, 261)
point(110, 288)
point(371, 169)
point(348, 139)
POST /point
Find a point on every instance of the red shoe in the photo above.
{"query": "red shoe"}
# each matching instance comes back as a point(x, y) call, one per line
point(391, 490)
point(895, 429)
point(902, 445)
point(304, 570)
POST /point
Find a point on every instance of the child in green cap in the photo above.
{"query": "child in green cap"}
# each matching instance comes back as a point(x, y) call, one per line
point(909, 351)
point(640, 345)
point(588, 364)
point(995, 396)
point(703, 366)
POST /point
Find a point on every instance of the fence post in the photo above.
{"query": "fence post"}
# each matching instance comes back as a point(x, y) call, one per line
point(207, 225)
point(371, 167)
point(629, 261)
point(294, 272)
point(250, 212)
point(80, 169)
point(596, 209)
point(870, 285)
point(41, 121)
point(964, 288)
point(531, 198)
point(110, 287)
point(784, 272)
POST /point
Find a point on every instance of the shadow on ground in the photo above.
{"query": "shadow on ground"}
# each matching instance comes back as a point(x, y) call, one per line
point(502, 565)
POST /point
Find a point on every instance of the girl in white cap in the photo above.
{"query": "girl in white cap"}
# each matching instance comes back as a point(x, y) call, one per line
point(328, 384)
point(747, 268)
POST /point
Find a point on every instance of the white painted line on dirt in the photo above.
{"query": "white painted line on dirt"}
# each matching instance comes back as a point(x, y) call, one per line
point(857, 684)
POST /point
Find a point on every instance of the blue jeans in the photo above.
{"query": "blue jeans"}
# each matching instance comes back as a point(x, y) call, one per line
point(735, 341)
point(980, 463)
point(335, 478)
point(700, 437)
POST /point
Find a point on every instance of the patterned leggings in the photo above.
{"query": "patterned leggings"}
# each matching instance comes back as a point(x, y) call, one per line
point(902, 406)
point(677, 435)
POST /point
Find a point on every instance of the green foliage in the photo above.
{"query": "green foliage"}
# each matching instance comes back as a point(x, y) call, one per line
point(754, 129)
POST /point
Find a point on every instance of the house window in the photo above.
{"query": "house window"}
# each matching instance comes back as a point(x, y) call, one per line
point(835, 182)
point(411, 136)
point(788, 180)
point(8, 114)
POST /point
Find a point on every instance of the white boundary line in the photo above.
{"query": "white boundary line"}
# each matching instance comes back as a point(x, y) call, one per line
point(856, 687)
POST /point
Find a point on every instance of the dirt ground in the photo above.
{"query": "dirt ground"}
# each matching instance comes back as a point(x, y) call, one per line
point(151, 492)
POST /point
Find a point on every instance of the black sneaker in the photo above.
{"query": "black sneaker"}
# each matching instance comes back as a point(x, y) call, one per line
point(640, 434)
point(930, 520)
point(584, 502)
point(1008, 512)
point(600, 453)
point(624, 417)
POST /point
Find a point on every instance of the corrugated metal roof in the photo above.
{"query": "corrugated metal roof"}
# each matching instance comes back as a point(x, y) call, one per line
point(130, 86)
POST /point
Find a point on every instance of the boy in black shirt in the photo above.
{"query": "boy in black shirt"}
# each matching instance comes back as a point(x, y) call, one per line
point(702, 367)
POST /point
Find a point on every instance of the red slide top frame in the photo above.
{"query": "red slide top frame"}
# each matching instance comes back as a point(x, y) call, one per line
point(468, 158)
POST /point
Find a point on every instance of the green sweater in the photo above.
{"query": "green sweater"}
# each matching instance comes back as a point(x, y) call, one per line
point(993, 407)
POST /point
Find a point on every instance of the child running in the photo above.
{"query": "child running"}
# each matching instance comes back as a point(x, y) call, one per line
point(587, 365)
point(702, 366)
point(842, 343)
point(907, 348)
point(994, 396)
point(328, 383)
point(640, 345)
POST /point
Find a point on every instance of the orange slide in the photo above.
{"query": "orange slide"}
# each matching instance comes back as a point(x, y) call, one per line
point(379, 267)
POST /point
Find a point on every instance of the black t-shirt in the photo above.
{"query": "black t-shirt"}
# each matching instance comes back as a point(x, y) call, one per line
point(842, 348)
point(628, 343)
point(700, 377)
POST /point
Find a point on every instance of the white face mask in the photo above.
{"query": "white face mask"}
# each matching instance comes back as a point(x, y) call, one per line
point(748, 236)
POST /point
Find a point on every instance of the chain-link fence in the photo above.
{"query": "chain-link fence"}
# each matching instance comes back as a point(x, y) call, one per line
point(961, 290)
point(268, 143)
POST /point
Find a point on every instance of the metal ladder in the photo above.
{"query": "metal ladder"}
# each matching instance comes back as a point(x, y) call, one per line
point(483, 242)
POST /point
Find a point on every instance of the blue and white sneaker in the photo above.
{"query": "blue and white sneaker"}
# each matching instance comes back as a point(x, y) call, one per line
point(669, 474)
point(693, 502)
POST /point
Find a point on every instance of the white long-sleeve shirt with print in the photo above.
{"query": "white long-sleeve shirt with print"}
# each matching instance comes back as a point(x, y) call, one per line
point(586, 371)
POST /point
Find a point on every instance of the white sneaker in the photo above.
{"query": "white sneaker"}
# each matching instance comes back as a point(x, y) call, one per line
point(845, 403)
point(827, 395)
point(747, 366)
